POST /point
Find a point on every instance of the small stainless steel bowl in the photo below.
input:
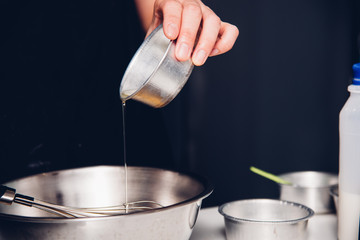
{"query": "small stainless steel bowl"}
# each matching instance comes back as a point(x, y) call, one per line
point(310, 188)
point(265, 219)
point(154, 75)
point(334, 192)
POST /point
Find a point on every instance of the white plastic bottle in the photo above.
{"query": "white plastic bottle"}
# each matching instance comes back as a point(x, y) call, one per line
point(349, 161)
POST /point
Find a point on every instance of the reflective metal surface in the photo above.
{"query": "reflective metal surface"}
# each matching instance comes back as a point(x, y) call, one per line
point(7, 195)
point(311, 189)
point(102, 186)
point(154, 76)
point(334, 192)
point(265, 219)
point(10, 196)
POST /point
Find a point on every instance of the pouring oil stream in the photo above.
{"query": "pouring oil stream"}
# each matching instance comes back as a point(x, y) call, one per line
point(125, 164)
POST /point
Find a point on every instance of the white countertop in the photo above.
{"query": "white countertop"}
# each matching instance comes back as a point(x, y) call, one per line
point(210, 226)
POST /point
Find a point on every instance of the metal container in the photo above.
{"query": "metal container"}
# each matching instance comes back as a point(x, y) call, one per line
point(310, 188)
point(334, 192)
point(154, 75)
point(102, 186)
point(265, 219)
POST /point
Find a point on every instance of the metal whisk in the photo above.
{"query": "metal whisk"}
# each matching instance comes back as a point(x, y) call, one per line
point(9, 196)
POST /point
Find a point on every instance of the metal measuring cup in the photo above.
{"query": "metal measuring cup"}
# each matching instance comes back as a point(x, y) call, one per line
point(154, 76)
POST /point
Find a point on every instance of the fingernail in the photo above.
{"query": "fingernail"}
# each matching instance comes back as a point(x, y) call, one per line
point(214, 52)
point(172, 30)
point(183, 52)
point(200, 57)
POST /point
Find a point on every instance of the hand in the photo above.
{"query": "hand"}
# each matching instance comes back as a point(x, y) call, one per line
point(183, 20)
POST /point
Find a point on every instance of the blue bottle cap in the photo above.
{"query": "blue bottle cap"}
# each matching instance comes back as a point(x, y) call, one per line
point(356, 69)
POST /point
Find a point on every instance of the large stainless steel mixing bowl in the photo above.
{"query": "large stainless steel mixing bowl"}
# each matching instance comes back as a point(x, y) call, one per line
point(101, 186)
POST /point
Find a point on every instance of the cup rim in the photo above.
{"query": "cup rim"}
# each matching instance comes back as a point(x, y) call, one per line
point(294, 185)
point(309, 211)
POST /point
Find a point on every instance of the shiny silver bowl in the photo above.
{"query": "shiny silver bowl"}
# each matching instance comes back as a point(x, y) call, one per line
point(102, 186)
point(310, 188)
point(154, 75)
point(265, 219)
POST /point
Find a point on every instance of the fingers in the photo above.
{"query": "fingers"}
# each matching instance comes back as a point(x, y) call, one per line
point(172, 11)
point(184, 20)
point(227, 36)
point(181, 20)
point(208, 37)
point(168, 12)
point(190, 23)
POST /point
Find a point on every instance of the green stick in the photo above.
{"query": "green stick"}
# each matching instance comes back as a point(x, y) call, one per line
point(269, 176)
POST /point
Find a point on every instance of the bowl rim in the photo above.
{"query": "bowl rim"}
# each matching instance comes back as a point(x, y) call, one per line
point(309, 211)
point(208, 189)
point(332, 175)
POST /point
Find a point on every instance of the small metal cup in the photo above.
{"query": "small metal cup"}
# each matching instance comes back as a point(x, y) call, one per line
point(310, 188)
point(265, 219)
point(334, 192)
point(154, 76)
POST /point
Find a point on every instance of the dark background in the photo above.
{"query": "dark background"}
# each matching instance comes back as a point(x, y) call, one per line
point(271, 102)
point(61, 65)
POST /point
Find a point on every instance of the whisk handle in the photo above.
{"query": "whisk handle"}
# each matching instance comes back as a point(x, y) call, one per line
point(24, 200)
point(7, 195)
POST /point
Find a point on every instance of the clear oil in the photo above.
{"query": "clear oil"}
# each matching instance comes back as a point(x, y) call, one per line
point(125, 163)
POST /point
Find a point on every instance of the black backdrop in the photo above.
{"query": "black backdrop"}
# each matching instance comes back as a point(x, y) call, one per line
point(61, 65)
point(273, 101)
